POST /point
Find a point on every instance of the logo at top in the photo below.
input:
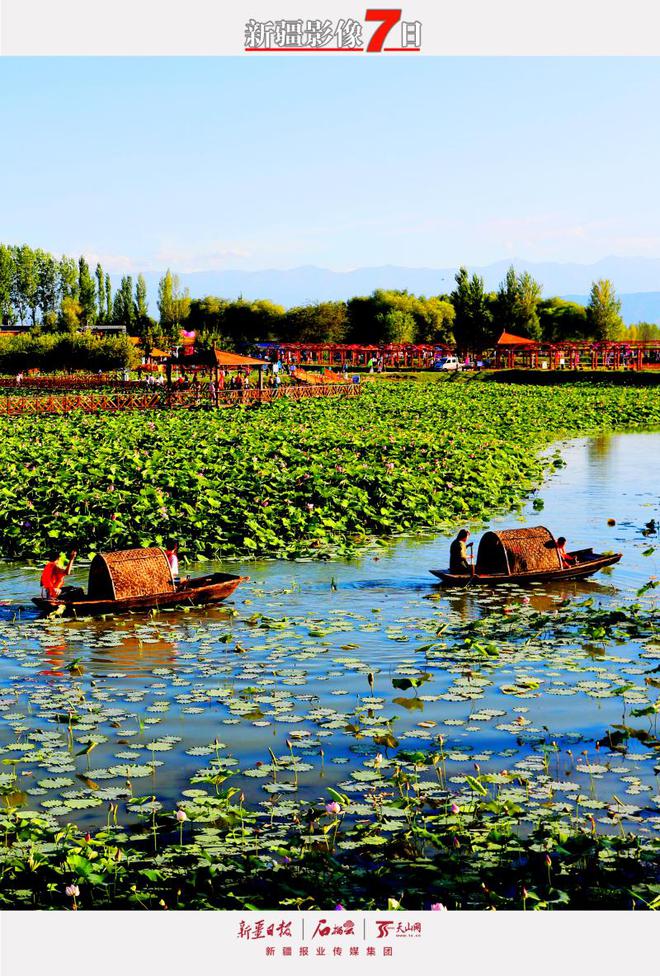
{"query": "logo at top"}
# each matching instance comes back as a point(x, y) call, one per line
point(389, 34)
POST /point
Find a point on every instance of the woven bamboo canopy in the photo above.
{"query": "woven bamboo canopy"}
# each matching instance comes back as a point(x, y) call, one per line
point(129, 573)
point(518, 551)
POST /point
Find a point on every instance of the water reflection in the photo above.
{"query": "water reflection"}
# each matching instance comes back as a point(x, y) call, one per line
point(599, 448)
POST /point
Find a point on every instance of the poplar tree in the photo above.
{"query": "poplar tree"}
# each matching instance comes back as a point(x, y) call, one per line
point(67, 273)
point(6, 284)
point(123, 309)
point(46, 271)
point(25, 283)
point(604, 311)
point(173, 305)
point(141, 303)
point(100, 291)
point(472, 322)
point(86, 293)
point(108, 298)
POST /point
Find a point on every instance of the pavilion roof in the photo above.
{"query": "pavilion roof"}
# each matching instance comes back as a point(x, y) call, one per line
point(218, 357)
point(509, 339)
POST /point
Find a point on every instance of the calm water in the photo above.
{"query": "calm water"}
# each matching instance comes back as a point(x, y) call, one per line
point(288, 659)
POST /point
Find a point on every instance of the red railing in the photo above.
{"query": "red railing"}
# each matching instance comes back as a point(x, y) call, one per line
point(98, 401)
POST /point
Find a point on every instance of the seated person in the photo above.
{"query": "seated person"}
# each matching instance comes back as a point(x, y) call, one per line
point(458, 557)
point(54, 574)
point(564, 557)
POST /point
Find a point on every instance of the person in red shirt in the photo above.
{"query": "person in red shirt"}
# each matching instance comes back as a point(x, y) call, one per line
point(564, 557)
point(54, 573)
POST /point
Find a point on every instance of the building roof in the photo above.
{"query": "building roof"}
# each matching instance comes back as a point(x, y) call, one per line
point(509, 339)
point(217, 357)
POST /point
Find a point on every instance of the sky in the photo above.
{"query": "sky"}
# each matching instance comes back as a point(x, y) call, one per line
point(246, 163)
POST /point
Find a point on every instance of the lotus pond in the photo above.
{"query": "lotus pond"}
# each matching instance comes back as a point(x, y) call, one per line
point(348, 732)
point(315, 478)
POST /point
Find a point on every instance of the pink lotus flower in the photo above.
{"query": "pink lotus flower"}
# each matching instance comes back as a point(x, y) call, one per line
point(438, 907)
point(455, 808)
point(72, 890)
point(333, 807)
point(181, 816)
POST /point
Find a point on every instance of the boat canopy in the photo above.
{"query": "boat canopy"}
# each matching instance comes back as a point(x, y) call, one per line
point(129, 573)
point(517, 551)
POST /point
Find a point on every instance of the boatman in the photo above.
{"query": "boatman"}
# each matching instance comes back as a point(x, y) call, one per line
point(458, 555)
point(54, 574)
point(565, 558)
point(172, 553)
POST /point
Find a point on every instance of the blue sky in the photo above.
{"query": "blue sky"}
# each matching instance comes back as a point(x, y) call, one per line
point(341, 162)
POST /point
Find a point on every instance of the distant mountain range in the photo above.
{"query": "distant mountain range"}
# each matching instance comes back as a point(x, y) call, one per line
point(637, 282)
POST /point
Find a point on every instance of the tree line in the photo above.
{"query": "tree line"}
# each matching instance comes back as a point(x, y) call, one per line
point(469, 317)
point(52, 353)
point(64, 295)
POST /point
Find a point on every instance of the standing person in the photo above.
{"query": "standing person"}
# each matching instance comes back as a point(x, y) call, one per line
point(54, 573)
point(458, 556)
point(172, 553)
point(212, 392)
point(370, 364)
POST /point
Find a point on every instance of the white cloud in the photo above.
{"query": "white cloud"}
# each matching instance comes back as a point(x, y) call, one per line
point(114, 263)
point(212, 256)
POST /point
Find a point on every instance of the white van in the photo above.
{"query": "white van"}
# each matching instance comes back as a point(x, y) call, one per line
point(448, 363)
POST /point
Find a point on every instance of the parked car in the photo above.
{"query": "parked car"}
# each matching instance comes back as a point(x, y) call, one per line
point(448, 363)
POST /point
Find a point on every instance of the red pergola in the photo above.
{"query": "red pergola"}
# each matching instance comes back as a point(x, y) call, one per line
point(393, 354)
point(512, 351)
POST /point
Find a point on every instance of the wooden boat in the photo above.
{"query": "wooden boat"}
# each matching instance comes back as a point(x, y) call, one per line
point(525, 556)
point(134, 580)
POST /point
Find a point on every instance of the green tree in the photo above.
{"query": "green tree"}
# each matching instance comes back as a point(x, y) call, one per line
point(141, 303)
point(6, 284)
point(473, 321)
point(123, 309)
point(46, 269)
point(67, 274)
point(504, 306)
point(108, 298)
point(648, 331)
point(173, 305)
point(642, 332)
point(100, 292)
point(70, 313)
point(529, 296)
point(25, 283)
point(323, 322)
point(560, 319)
point(604, 311)
point(247, 322)
point(397, 325)
point(437, 321)
point(86, 293)
point(516, 304)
